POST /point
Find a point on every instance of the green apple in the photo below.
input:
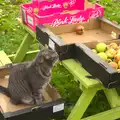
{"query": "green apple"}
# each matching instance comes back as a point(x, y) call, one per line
point(94, 50)
point(101, 47)
point(111, 53)
point(102, 55)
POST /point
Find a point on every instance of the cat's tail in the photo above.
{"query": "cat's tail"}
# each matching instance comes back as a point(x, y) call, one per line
point(4, 91)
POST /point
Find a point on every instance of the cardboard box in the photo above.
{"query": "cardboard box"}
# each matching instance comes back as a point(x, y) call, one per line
point(53, 106)
point(63, 38)
point(97, 67)
point(56, 13)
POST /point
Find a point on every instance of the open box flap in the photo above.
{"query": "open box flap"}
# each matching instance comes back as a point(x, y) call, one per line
point(51, 98)
point(50, 94)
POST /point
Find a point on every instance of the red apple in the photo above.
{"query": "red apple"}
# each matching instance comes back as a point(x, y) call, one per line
point(114, 65)
point(79, 29)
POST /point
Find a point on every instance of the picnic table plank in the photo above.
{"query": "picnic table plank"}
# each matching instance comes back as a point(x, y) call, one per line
point(80, 73)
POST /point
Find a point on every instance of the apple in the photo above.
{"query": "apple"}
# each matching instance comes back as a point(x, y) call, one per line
point(118, 50)
point(110, 53)
point(114, 60)
point(65, 5)
point(113, 45)
point(36, 10)
point(117, 57)
point(113, 64)
point(101, 47)
point(109, 60)
point(119, 64)
point(79, 30)
point(102, 55)
point(118, 70)
point(94, 50)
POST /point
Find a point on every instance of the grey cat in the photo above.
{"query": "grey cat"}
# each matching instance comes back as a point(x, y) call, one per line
point(28, 79)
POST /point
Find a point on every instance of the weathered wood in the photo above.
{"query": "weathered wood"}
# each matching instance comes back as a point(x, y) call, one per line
point(4, 58)
point(28, 56)
point(3, 61)
point(20, 54)
point(80, 73)
point(82, 104)
point(112, 114)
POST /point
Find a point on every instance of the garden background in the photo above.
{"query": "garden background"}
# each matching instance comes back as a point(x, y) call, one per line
point(11, 35)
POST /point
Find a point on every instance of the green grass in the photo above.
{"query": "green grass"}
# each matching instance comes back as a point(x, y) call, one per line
point(112, 9)
point(11, 35)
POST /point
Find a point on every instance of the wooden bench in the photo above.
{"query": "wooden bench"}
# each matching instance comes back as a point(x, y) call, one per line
point(4, 59)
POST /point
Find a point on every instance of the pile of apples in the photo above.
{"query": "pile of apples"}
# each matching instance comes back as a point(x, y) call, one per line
point(110, 53)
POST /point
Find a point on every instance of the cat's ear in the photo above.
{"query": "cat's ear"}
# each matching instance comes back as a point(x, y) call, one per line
point(41, 47)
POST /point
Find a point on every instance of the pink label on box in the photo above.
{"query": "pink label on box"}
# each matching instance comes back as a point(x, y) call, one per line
point(51, 6)
point(56, 4)
point(68, 20)
point(46, 7)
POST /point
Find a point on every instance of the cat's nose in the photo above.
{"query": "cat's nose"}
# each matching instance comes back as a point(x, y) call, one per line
point(55, 55)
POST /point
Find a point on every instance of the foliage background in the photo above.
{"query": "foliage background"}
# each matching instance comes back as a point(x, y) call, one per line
point(11, 35)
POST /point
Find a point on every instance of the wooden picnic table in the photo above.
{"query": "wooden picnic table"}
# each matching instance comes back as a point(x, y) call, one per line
point(89, 87)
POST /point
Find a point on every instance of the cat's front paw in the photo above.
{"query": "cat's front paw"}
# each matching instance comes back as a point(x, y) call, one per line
point(38, 98)
point(38, 101)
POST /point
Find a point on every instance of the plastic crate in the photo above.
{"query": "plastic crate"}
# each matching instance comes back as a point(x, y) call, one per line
point(60, 12)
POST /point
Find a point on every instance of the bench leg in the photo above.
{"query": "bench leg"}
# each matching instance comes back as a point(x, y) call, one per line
point(112, 114)
point(82, 104)
point(112, 97)
point(21, 52)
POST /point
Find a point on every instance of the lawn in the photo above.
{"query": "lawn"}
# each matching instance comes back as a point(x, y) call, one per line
point(11, 35)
